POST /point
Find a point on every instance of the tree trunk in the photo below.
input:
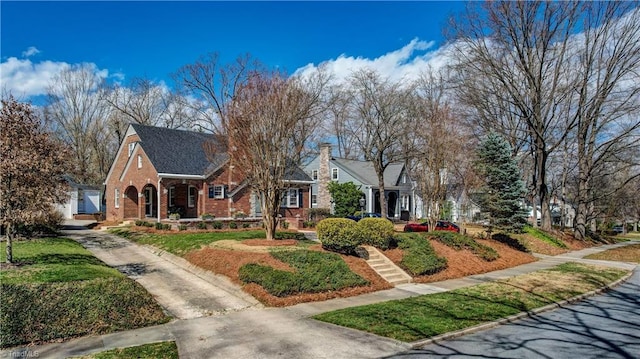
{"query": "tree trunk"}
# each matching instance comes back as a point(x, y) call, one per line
point(269, 216)
point(383, 198)
point(9, 236)
point(543, 191)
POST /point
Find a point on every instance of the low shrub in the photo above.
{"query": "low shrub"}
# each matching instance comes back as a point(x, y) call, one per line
point(318, 214)
point(207, 216)
point(339, 235)
point(139, 223)
point(511, 242)
point(419, 256)
point(459, 241)
point(284, 224)
point(308, 224)
point(377, 232)
point(47, 224)
point(216, 225)
point(233, 225)
point(315, 272)
point(290, 235)
point(202, 225)
point(182, 227)
point(159, 226)
point(246, 225)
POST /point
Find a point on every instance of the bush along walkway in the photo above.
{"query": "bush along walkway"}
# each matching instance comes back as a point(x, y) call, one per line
point(287, 332)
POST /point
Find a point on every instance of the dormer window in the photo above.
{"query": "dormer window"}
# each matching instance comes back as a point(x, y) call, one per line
point(314, 175)
point(334, 174)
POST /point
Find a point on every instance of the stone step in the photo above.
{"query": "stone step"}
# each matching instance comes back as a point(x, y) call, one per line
point(386, 268)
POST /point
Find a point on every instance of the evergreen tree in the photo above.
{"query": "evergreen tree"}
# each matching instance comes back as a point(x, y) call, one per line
point(346, 198)
point(503, 188)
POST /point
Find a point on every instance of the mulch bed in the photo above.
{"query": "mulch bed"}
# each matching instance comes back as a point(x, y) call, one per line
point(463, 263)
point(267, 242)
point(228, 263)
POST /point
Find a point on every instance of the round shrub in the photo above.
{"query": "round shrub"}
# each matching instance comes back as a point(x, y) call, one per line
point(377, 232)
point(338, 235)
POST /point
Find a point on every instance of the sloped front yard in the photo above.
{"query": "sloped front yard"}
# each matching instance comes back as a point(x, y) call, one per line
point(58, 290)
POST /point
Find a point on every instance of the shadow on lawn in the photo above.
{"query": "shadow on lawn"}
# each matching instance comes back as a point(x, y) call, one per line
point(63, 258)
point(605, 326)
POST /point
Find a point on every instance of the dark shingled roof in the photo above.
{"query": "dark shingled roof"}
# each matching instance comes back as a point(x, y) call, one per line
point(178, 151)
point(182, 152)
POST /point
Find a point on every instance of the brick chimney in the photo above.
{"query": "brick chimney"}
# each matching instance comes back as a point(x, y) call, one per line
point(324, 176)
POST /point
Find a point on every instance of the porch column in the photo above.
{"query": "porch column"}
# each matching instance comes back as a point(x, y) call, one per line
point(159, 197)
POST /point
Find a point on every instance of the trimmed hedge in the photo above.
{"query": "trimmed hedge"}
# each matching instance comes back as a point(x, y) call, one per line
point(339, 235)
point(419, 256)
point(459, 241)
point(290, 235)
point(511, 242)
point(33, 312)
point(377, 232)
point(315, 272)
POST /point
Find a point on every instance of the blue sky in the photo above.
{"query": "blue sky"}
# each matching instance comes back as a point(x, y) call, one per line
point(153, 39)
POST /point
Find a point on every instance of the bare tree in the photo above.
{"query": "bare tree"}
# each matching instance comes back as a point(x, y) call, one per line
point(378, 113)
point(606, 100)
point(213, 86)
point(32, 163)
point(263, 121)
point(77, 114)
point(518, 51)
point(435, 154)
point(337, 122)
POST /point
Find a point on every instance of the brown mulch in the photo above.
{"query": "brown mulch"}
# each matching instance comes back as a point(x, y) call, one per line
point(269, 243)
point(463, 263)
point(228, 263)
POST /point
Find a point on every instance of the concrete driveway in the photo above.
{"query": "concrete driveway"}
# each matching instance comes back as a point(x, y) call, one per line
point(182, 291)
point(604, 326)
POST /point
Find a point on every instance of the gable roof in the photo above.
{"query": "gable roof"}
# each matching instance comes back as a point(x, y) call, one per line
point(364, 171)
point(183, 152)
point(179, 151)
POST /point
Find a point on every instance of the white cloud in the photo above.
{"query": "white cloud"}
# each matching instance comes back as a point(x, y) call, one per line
point(404, 63)
point(32, 50)
point(24, 78)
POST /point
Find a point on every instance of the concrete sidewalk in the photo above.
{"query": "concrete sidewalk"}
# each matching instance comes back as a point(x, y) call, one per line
point(287, 332)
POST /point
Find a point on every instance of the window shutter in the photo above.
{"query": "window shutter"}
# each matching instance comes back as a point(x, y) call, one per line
point(300, 198)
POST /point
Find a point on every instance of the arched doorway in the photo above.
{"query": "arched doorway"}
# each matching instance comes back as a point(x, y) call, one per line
point(150, 198)
point(131, 202)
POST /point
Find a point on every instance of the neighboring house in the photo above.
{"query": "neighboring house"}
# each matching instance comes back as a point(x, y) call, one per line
point(461, 207)
point(158, 171)
point(83, 199)
point(325, 168)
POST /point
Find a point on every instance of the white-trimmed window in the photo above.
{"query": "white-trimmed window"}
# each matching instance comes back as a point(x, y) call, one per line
point(117, 198)
point(314, 200)
point(404, 178)
point(193, 192)
point(172, 196)
point(334, 174)
point(290, 198)
point(132, 145)
point(216, 191)
point(314, 175)
point(139, 161)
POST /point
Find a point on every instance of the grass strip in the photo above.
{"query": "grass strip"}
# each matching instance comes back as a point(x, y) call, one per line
point(430, 315)
point(545, 237)
point(459, 241)
point(630, 253)
point(314, 272)
point(419, 256)
point(162, 350)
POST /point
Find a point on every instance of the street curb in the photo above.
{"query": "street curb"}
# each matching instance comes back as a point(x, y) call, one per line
point(530, 314)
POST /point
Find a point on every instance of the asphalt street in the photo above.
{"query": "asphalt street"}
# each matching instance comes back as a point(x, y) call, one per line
point(604, 326)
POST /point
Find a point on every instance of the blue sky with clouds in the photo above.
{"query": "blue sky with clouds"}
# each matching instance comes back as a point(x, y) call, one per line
point(153, 39)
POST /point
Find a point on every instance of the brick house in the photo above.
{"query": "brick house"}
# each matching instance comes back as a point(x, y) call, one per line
point(158, 171)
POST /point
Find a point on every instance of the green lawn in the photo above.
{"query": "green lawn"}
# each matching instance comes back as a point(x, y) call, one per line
point(163, 350)
point(430, 315)
point(59, 290)
point(180, 243)
point(545, 237)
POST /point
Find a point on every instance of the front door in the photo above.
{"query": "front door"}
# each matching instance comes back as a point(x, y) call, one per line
point(148, 202)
